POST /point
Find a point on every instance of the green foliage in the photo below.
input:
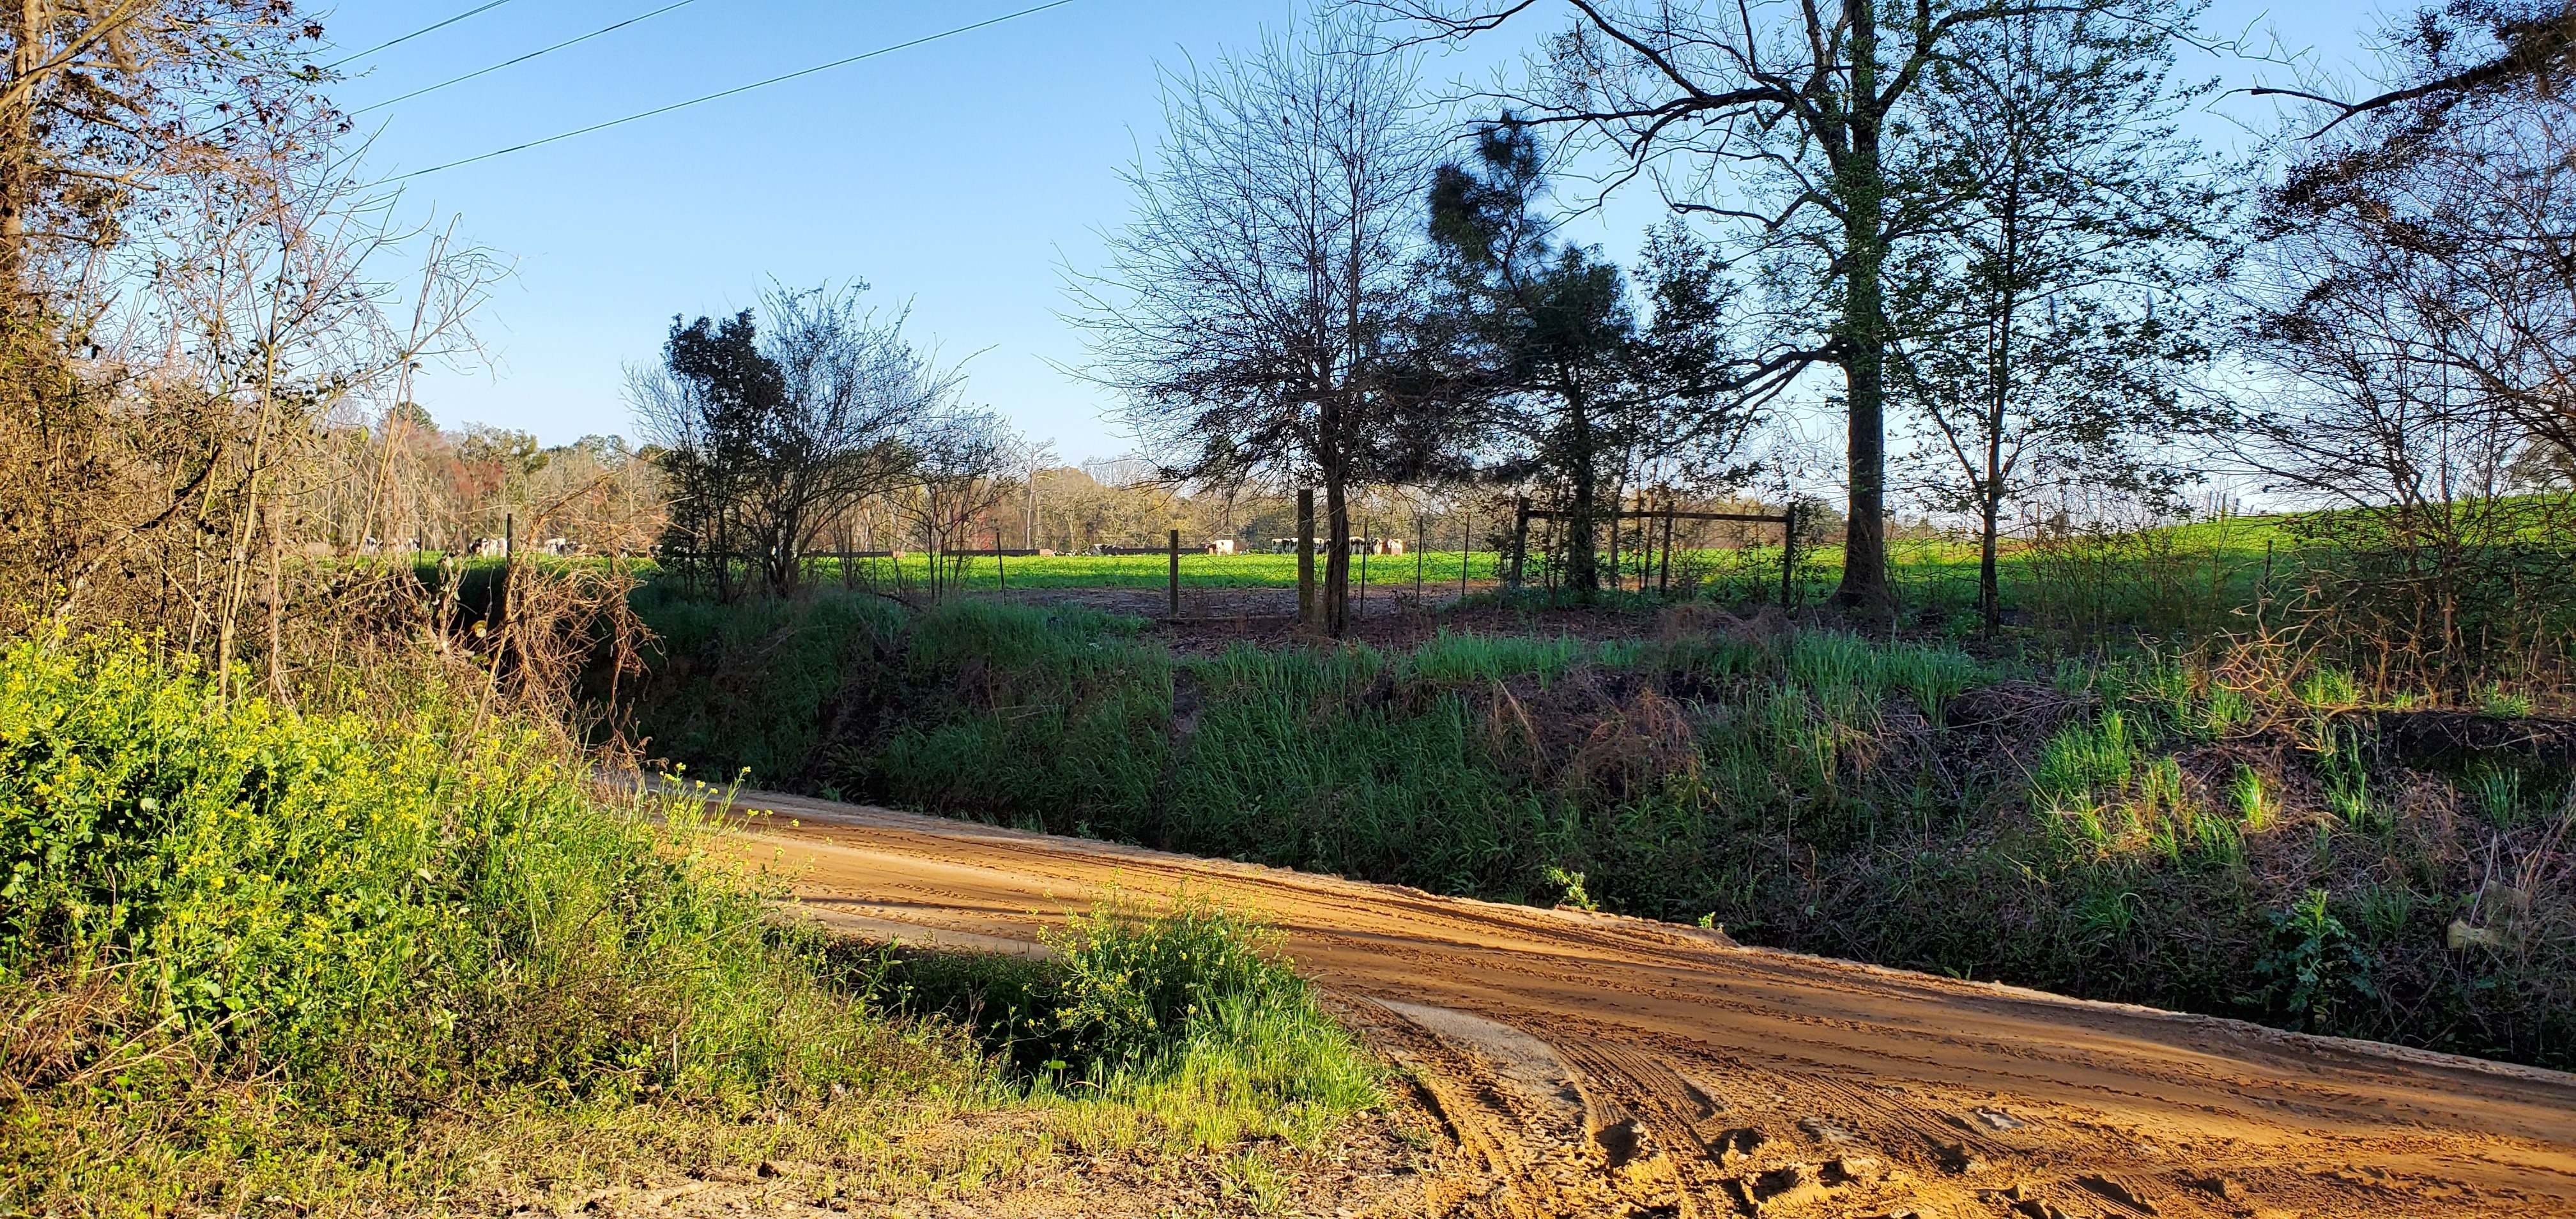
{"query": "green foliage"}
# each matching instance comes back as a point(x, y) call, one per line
point(1184, 1009)
point(2496, 791)
point(2494, 699)
point(754, 681)
point(2086, 765)
point(2255, 805)
point(1133, 983)
point(366, 924)
point(2315, 966)
point(1462, 658)
point(243, 945)
point(1572, 883)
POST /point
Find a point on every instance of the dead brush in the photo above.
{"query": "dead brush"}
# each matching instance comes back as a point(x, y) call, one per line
point(1633, 749)
point(60, 1026)
point(1580, 736)
point(1692, 620)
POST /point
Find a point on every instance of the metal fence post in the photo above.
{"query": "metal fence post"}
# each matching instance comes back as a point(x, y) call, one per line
point(1176, 573)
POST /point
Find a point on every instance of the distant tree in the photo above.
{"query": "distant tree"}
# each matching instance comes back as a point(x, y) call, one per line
point(2045, 334)
point(964, 465)
point(1560, 358)
point(1257, 313)
point(766, 436)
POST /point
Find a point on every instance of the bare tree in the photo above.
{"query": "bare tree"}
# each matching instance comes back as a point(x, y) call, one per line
point(962, 467)
point(1256, 313)
point(769, 434)
point(1790, 120)
point(106, 99)
point(2415, 299)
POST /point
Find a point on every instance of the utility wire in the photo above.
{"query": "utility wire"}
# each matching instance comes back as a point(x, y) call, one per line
point(758, 84)
point(522, 59)
point(493, 4)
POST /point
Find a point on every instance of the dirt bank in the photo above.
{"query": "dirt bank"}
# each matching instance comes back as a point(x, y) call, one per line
point(1594, 1065)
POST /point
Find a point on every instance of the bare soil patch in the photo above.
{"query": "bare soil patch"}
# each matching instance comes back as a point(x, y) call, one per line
point(1589, 1064)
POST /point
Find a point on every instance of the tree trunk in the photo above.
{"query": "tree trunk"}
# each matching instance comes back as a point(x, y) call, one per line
point(1864, 327)
point(1989, 588)
point(17, 150)
point(1337, 552)
point(1582, 553)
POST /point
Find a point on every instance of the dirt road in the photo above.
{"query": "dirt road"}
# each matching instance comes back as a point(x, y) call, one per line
point(1588, 1065)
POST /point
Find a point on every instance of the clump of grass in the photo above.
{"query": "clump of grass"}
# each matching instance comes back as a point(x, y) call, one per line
point(2086, 766)
point(2494, 792)
point(2255, 804)
point(1453, 657)
point(2495, 700)
point(1178, 1027)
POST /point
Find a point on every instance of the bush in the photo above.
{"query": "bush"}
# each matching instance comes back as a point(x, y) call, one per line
point(211, 903)
point(1183, 1011)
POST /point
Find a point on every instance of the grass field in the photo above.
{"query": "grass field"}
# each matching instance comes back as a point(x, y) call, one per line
point(2220, 560)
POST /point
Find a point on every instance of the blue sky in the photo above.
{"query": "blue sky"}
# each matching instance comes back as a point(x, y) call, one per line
point(957, 176)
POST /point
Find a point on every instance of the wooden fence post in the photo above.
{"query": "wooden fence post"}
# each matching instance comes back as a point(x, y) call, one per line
point(1176, 573)
point(1788, 551)
point(1520, 540)
point(1417, 560)
point(1664, 581)
point(1466, 546)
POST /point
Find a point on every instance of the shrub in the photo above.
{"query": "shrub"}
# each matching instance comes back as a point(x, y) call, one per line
point(313, 933)
point(1184, 1012)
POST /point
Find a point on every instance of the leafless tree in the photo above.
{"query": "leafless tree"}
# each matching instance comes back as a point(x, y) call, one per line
point(2416, 300)
point(1256, 311)
point(962, 466)
point(107, 99)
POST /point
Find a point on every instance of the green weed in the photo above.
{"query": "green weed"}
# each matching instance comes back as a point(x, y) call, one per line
point(2086, 766)
point(1175, 1026)
point(2496, 791)
point(2315, 966)
point(2495, 700)
point(2255, 806)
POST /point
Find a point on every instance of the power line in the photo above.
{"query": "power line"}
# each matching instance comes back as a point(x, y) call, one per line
point(522, 59)
point(493, 4)
point(758, 84)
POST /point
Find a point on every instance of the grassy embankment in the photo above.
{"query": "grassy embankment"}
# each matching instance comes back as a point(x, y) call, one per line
point(2209, 831)
point(255, 961)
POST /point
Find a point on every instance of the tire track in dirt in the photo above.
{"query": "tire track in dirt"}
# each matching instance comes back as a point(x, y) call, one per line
point(1593, 1065)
